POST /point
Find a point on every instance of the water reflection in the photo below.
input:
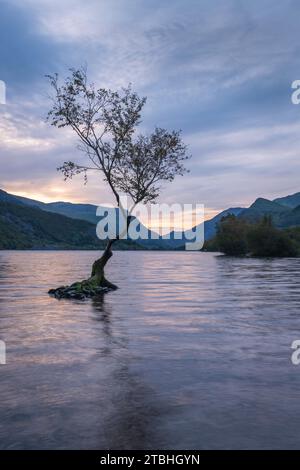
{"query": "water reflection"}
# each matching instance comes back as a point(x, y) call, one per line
point(103, 312)
point(131, 422)
point(192, 351)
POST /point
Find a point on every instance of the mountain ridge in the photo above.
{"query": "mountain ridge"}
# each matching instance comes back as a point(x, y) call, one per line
point(284, 214)
point(292, 200)
point(28, 227)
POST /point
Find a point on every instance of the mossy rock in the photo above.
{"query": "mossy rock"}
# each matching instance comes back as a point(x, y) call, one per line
point(79, 290)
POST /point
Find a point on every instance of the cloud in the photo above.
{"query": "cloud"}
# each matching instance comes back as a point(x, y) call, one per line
point(219, 70)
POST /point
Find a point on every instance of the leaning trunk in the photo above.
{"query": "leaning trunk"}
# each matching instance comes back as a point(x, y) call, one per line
point(97, 275)
point(96, 284)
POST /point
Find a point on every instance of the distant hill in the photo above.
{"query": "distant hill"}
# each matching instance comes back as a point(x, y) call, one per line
point(290, 219)
point(7, 197)
point(28, 227)
point(31, 228)
point(75, 211)
point(210, 225)
point(263, 207)
point(86, 212)
point(291, 201)
point(283, 216)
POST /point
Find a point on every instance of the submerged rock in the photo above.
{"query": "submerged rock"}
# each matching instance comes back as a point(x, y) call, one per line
point(78, 291)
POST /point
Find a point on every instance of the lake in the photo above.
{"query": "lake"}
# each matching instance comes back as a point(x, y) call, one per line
point(192, 352)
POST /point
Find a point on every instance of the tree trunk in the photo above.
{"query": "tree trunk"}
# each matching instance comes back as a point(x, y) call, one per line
point(96, 284)
point(99, 265)
point(98, 276)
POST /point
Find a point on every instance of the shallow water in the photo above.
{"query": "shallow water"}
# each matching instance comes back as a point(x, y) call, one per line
point(193, 351)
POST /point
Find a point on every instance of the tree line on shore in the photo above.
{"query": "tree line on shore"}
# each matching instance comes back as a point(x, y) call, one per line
point(236, 236)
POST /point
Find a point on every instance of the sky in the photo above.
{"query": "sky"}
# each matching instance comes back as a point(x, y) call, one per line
point(219, 70)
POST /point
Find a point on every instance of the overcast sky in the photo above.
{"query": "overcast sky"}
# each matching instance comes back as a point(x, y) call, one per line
point(220, 70)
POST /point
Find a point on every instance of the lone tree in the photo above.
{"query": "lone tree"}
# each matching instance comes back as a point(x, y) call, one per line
point(105, 122)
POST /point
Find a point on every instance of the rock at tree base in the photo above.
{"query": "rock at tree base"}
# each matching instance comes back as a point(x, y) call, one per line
point(78, 291)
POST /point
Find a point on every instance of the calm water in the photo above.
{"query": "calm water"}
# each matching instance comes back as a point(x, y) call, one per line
point(193, 351)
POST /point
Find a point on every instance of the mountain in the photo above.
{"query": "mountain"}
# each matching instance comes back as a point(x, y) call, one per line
point(32, 228)
point(74, 211)
point(7, 197)
point(290, 219)
point(263, 207)
point(28, 227)
point(210, 225)
point(283, 216)
point(85, 212)
point(291, 201)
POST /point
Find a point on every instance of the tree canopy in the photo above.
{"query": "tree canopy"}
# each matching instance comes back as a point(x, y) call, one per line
point(106, 123)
